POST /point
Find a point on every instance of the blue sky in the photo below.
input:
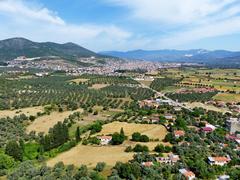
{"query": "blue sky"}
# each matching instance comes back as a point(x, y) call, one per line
point(125, 24)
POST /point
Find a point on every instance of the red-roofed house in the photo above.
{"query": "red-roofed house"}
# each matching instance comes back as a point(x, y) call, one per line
point(207, 129)
point(179, 133)
point(189, 175)
point(147, 164)
point(221, 161)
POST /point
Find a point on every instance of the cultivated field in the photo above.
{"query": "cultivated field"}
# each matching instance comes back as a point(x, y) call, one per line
point(207, 107)
point(43, 123)
point(98, 86)
point(90, 155)
point(227, 97)
point(27, 111)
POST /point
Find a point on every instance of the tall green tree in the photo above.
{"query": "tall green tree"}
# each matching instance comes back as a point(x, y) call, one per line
point(77, 134)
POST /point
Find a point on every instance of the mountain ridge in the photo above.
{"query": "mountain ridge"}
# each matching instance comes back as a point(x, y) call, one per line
point(18, 46)
point(221, 58)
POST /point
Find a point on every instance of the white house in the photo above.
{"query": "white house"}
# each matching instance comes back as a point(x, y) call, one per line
point(105, 140)
point(223, 177)
point(171, 159)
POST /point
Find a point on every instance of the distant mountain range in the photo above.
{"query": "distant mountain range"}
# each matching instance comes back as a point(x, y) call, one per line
point(12, 48)
point(15, 47)
point(221, 57)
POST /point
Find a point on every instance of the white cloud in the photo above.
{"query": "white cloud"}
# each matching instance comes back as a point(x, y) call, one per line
point(17, 8)
point(184, 21)
point(226, 27)
point(172, 11)
point(37, 23)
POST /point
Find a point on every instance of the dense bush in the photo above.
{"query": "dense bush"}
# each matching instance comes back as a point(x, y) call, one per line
point(140, 148)
point(118, 138)
point(139, 138)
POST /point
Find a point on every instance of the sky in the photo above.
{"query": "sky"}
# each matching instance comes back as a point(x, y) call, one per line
point(103, 25)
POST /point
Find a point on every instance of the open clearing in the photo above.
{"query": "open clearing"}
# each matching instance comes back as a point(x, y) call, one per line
point(27, 111)
point(151, 130)
point(227, 97)
point(90, 155)
point(98, 86)
point(43, 123)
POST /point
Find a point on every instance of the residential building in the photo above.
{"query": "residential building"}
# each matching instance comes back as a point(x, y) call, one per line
point(220, 161)
point(189, 175)
point(171, 159)
point(179, 133)
point(147, 164)
point(105, 140)
point(233, 125)
point(223, 177)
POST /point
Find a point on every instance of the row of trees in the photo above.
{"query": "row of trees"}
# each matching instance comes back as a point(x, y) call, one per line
point(161, 83)
point(58, 90)
point(192, 97)
point(56, 136)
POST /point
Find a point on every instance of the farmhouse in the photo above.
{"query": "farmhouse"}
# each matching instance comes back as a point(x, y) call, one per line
point(189, 175)
point(171, 159)
point(154, 119)
point(220, 161)
point(105, 139)
point(179, 133)
point(168, 116)
point(148, 103)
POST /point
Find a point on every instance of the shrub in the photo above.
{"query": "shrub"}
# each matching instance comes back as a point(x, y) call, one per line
point(100, 166)
point(139, 138)
point(32, 118)
point(96, 127)
point(6, 162)
point(128, 149)
point(140, 148)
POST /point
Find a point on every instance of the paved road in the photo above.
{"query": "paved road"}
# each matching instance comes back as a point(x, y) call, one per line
point(175, 103)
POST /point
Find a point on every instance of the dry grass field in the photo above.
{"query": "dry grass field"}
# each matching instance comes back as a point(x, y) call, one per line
point(98, 86)
point(227, 97)
point(27, 111)
point(151, 130)
point(43, 123)
point(146, 82)
point(79, 80)
point(207, 107)
point(90, 155)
